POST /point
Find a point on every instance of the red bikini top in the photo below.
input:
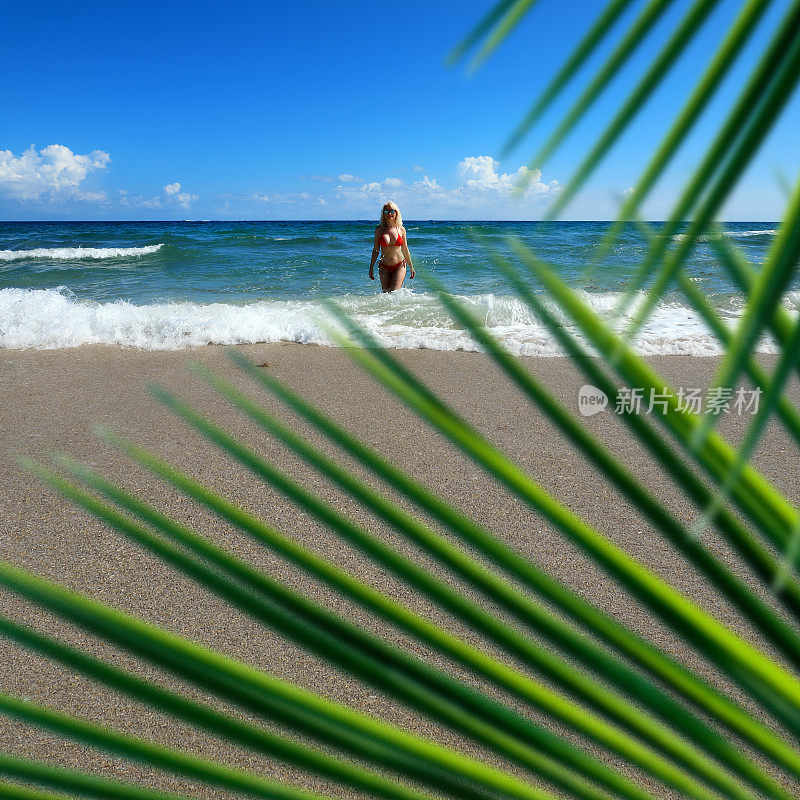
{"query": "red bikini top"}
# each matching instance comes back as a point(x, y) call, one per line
point(396, 243)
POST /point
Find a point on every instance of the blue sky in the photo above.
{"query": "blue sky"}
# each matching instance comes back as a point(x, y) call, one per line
point(255, 110)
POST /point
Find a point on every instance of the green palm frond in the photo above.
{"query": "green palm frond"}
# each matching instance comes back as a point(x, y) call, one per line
point(773, 400)
point(558, 696)
point(493, 28)
point(737, 37)
point(519, 605)
point(678, 611)
point(70, 781)
point(756, 110)
point(766, 508)
point(764, 297)
point(582, 52)
point(760, 559)
point(525, 689)
point(656, 73)
point(144, 752)
point(615, 472)
point(555, 669)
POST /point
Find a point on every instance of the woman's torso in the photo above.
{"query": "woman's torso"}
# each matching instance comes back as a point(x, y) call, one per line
point(391, 241)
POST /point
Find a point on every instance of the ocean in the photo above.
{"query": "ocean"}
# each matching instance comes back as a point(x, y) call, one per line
point(172, 285)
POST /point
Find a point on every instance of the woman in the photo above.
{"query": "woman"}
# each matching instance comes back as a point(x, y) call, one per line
point(391, 243)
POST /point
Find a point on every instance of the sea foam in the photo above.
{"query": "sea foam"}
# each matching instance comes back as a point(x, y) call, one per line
point(72, 253)
point(761, 234)
point(56, 318)
point(749, 234)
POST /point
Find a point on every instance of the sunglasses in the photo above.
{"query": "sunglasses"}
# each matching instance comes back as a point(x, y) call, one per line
point(388, 212)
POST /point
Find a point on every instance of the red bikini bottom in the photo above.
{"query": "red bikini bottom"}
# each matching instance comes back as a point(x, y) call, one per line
point(391, 267)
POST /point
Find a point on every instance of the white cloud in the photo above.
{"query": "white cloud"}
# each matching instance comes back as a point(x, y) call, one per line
point(479, 174)
point(369, 193)
point(479, 171)
point(173, 194)
point(429, 190)
point(99, 198)
point(419, 169)
point(170, 197)
point(287, 197)
point(480, 188)
point(137, 200)
point(427, 184)
point(54, 169)
point(348, 178)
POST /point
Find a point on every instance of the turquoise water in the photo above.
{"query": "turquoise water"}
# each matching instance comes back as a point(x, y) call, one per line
point(167, 285)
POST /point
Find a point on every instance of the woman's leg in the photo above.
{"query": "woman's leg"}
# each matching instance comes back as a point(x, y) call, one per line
point(392, 279)
point(397, 277)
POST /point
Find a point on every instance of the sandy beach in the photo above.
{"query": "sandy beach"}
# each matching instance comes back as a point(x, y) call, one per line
point(49, 399)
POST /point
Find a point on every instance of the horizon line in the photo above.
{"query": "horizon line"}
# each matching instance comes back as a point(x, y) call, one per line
point(363, 219)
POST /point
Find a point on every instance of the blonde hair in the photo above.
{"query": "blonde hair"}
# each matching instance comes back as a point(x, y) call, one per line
point(398, 220)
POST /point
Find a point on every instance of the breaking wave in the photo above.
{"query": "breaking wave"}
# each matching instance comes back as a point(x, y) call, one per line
point(72, 253)
point(56, 318)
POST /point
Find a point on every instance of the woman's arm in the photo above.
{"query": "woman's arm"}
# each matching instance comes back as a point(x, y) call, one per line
point(375, 250)
point(406, 254)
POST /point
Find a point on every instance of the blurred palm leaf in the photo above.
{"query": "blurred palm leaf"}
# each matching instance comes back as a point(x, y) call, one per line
point(623, 699)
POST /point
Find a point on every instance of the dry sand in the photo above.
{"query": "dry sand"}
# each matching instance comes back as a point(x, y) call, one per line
point(48, 400)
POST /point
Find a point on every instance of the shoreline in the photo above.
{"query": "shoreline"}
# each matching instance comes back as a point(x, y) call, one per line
point(50, 398)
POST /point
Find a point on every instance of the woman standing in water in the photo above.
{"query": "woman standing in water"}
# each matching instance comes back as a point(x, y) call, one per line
point(391, 243)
